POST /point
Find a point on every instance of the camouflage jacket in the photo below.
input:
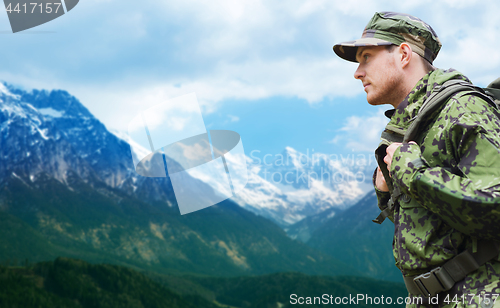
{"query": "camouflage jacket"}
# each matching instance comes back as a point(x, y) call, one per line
point(452, 196)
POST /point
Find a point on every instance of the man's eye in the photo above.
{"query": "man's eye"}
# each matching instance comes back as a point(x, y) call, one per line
point(365, 57)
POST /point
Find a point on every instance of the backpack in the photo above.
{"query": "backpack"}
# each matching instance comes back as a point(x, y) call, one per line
point(439, 96)
point(442, 93)
point(444, 277)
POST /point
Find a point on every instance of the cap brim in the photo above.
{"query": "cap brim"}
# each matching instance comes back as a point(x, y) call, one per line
point(347, 50)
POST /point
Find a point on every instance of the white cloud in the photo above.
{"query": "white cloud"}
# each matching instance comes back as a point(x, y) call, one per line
point(119, 57)
point(233, 118)
point(361, 133)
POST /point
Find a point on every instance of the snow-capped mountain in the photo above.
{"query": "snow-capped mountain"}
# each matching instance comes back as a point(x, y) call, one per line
point(28, 135)
point(67, 188)
point(53, 133)
point(38, 124)
point(296, 185)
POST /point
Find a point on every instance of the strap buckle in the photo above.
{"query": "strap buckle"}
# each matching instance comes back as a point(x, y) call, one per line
point(433, 282)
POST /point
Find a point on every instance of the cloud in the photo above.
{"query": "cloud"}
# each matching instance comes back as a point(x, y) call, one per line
point(233, 118)
point(361, 134)
point(119, 57)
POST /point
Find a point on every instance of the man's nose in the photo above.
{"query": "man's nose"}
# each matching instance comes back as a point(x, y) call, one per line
point(359, 73)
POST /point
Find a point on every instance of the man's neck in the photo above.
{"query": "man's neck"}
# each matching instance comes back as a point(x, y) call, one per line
point(411, 81)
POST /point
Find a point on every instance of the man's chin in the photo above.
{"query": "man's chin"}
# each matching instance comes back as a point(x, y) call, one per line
point(373, 102)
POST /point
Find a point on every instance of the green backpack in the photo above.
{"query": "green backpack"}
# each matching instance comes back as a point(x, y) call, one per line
point(438, 97)
point(442, 93)
point(444, 277)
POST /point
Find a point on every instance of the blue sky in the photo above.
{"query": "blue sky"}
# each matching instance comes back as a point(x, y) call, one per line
point(262, 68)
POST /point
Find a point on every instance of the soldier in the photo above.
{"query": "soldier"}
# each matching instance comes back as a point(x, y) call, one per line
point(442, 188)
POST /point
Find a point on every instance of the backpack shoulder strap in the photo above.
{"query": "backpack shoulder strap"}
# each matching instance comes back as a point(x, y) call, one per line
point(438, 97)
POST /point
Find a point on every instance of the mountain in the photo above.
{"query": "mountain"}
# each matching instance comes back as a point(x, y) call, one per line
point(67, 188)
point(30, 144)
point(303, 229)
point(286, 190)
point(292, 185)
point(353, 238)
point(93, 225)
point(53, 132)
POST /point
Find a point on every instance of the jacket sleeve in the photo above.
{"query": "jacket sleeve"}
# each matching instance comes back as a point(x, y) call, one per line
point(466, 197)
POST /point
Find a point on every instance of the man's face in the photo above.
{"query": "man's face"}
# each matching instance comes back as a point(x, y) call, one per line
point(382, 78)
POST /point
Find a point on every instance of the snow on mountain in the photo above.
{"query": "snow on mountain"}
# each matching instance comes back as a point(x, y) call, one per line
point(30, 145)
point(52, 132)
point(51, 112)
point(309, 184)
point(296, 185)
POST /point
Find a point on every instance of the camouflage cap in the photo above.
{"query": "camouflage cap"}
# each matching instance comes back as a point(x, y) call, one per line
point(387, 28)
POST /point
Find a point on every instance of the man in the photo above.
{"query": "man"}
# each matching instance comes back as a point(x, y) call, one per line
point(442, 188)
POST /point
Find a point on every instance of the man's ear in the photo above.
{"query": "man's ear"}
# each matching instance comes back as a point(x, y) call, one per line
point(405, 53)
